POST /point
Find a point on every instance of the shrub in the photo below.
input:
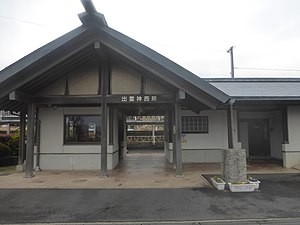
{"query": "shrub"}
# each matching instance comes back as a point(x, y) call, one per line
point(4, 138)
point(13, 144)
point(4, 150)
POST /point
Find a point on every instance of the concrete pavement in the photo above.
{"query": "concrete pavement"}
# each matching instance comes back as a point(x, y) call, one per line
point(137, 170)
point(143, 190)
point(276, 221)
point(278, 198)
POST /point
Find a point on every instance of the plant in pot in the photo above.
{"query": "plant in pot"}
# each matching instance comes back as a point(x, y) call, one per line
point(218, 182)
point(241, 187)
point(253, 180)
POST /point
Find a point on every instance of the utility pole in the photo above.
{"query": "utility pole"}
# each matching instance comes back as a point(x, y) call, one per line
point(231, 61)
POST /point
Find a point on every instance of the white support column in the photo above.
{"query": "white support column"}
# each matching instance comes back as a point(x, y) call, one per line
point(8, 129)
point(153, 134)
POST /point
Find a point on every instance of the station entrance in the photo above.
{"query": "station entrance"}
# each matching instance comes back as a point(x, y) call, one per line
point(145, 133)
point(143, 139)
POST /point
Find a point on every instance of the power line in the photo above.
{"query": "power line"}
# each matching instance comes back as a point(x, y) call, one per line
point(249, 68)
point(24, 21)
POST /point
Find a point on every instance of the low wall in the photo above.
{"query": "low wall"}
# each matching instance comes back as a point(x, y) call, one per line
point(77, 161)
point(196, 155)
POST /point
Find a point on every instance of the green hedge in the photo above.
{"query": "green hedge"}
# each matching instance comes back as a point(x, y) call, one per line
point(4, 150)
point(10, 141)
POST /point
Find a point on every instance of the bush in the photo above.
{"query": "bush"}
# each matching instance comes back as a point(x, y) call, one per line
point(4, 150)
point(13, 144)
point(4, 139)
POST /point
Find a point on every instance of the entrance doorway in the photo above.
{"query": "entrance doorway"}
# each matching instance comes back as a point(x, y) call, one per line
point(145, 132)
point(259, 138)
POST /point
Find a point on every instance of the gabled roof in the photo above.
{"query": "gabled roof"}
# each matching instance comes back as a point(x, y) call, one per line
point(37, 68)
point(20, 65)
point(259, 88)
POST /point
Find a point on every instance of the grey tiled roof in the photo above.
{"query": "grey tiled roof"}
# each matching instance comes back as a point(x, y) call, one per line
point(258, 88)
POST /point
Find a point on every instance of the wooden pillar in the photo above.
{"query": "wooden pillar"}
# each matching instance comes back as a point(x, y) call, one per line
point(21, 155)
point(178, 152)
point(124, 135)
point(104, 91)
point(230, 125)
point(166, 131)
point(238, 126)
point(30, 141)
point(38, 140)
point(174, 137)
point(111, 126)
point(285, 125)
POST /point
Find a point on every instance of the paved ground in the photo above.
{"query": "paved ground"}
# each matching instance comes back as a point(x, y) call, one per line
point(279, 197)
point(143, 190)
point(137, 170)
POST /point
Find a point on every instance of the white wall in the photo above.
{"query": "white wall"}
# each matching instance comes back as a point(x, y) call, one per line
point(216, 138)
point(57, 156)
point(204, 147)
point(291, 151)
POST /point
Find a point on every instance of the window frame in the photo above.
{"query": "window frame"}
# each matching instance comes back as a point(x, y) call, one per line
point(80, 143)
point(195, 132)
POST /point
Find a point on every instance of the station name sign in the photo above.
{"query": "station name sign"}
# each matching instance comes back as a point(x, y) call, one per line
point(139, 98)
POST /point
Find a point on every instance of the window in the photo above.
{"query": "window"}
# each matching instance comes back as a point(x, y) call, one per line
point(194, 124)
point(82, 129)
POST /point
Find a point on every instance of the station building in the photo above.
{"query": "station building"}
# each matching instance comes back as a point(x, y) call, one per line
point(79, 91)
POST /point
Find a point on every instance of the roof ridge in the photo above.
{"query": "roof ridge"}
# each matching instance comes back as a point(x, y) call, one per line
point(255, 79)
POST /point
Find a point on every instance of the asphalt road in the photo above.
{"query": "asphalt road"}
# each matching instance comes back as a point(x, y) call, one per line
point(279, 197)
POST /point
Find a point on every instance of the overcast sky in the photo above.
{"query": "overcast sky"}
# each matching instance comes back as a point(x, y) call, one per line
point(193, 33)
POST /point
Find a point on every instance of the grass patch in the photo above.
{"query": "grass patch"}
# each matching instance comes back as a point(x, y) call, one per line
point(6, 170)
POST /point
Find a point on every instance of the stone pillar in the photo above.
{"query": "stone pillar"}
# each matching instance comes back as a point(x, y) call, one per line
point(234, 167)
